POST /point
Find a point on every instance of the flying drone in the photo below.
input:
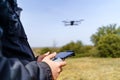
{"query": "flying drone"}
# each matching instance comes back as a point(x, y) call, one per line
point(73, 22)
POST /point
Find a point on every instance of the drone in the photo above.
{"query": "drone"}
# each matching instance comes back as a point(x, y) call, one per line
point(73, 22)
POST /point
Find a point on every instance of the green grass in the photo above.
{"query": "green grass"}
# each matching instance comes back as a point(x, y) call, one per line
point(91, 69)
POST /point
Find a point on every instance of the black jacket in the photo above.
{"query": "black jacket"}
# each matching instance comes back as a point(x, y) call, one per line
point(13, 69)
point(14, 40)
point(17, 61)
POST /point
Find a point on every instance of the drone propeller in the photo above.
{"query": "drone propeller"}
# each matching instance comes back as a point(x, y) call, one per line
point(80, 20)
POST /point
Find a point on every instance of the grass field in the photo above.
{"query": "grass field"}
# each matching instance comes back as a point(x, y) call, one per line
point(91, 69)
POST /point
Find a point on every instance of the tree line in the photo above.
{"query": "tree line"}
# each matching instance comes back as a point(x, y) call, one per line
point(106, 43)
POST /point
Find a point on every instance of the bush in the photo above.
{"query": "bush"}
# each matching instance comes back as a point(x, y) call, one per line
point(80, 49)
point(109, 46)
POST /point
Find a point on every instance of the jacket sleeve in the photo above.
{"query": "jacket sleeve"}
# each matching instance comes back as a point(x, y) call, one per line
point(13, 69)
point(3, 12)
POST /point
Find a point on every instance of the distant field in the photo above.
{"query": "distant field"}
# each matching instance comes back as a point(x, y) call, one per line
point(91, 69)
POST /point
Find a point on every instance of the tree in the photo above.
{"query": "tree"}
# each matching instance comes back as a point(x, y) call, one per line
point(104, 30)
point(109, 45)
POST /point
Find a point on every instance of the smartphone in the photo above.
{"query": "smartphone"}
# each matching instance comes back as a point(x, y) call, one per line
point(63, 55)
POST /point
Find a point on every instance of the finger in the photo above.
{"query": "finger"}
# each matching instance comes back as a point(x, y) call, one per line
point(50, 56)
point(62, 63)
point(59, 70)
point(47, 53)
point(39, 59)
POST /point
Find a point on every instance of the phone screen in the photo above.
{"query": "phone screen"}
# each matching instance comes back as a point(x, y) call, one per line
point(64, 55)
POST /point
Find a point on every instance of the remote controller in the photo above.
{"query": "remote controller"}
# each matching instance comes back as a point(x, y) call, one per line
point(63, 55)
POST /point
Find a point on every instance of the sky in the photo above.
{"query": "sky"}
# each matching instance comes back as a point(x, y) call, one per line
point(42, 20)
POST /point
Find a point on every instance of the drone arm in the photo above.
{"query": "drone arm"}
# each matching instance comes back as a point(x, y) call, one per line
point(65, 21)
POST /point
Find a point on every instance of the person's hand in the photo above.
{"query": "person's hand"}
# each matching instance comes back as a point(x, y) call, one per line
point(40, 58)
point(56, 67)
